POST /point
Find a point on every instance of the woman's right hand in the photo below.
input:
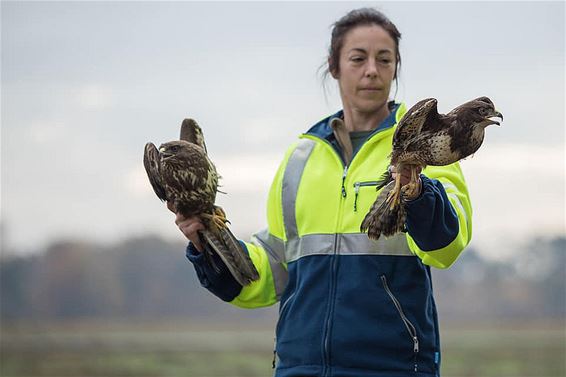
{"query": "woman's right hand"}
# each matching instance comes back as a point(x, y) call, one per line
point(189, 226)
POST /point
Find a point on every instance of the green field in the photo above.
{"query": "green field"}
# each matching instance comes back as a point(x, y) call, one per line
point(210, 351)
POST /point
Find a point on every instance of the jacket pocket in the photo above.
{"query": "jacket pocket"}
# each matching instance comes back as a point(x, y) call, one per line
point(280, 319)
point(358, 186)
point(285, 303)
point(408, 325)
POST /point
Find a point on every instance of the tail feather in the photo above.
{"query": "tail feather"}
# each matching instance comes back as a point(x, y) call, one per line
point(232, 253)
point(381, 219)
point(209, 250)
point(245, 265)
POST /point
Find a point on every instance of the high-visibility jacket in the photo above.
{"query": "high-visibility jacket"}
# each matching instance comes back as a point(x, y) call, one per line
point(349, 306)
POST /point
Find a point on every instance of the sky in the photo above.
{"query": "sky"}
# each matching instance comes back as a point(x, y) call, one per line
point(84, 85)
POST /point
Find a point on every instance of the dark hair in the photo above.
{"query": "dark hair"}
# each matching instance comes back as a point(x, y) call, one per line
point(355, 18)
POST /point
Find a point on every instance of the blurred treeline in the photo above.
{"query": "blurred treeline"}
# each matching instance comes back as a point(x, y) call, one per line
point(150, 278)
point(138, 279)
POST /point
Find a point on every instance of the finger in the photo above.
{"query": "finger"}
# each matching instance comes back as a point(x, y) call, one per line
point(191, 232)
point(185, 222)
point(170, 206)
point(191, 226)
point(179, 218)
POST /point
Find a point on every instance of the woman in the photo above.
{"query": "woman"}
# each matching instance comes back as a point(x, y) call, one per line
point(350, 306)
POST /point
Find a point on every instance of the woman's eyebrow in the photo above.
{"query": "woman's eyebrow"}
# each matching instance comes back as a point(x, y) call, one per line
point(364, 51)
point(358, 49)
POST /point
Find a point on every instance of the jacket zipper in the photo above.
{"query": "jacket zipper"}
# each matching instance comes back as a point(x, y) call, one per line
point(332, 293)
point(334, 268)
point(357, 186)
point(410, 328)
point(326, 346)
point(344, 180)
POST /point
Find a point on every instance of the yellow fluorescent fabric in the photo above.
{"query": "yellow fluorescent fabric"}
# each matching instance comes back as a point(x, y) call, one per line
point(260, 293)
point(321, 208)
point(319, 190)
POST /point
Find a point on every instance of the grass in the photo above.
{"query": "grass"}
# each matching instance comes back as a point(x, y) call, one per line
point(170, 350)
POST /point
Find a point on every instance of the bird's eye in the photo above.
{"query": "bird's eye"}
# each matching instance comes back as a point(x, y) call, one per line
point(174, 149)
point(483, 111)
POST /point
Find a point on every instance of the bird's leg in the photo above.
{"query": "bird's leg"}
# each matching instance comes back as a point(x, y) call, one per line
point(410, 189)
point(394, 194)
point(217, 218)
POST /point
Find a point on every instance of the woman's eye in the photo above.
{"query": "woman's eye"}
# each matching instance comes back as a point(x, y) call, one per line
point(385, 61)
point(357, 59)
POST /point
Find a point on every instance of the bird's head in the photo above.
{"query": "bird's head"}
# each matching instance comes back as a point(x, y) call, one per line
point(176, 148)
point(480, 112)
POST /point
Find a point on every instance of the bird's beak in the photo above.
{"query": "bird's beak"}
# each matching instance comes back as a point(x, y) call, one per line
point(164, 153)
point(496, 114)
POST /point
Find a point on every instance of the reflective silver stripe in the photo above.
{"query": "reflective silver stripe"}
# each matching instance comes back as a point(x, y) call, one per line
point(290, 185)
point(348, 244)
point(275, 249)
point(456, 199)
point(459, 205)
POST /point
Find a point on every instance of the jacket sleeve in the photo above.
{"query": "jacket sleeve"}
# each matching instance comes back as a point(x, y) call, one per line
point(439, 221)
point(266, 250)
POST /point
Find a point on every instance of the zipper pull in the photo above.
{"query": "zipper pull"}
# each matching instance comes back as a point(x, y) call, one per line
point(416, 344)
point(343, 180)
point(416, 349)
point(356, 192)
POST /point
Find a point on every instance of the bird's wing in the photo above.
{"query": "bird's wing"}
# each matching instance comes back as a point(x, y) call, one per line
point(414, 120)
point(152, 168)
point(191, 132)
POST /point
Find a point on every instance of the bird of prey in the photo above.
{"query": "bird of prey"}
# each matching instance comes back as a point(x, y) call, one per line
point(181, 173)
point(425, 137)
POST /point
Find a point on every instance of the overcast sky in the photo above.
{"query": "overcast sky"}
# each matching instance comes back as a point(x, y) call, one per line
point(86, 85)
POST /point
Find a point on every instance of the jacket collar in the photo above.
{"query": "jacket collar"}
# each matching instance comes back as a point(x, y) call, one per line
point(323, 130)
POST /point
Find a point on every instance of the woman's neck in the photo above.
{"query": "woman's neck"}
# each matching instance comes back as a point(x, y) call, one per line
point(355, 120)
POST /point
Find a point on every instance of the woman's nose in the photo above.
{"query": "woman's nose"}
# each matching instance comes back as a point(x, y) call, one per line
point(371, 69)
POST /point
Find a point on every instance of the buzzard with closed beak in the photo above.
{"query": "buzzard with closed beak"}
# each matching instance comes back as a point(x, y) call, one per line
point(425, 137)
point(181, 173)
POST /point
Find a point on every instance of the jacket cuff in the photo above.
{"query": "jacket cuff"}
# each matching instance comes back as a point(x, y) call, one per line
point(219, 281)
point(432, 222)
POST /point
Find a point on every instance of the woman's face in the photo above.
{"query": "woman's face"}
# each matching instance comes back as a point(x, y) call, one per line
point(367, 68)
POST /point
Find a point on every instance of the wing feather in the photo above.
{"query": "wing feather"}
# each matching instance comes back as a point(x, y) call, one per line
point(153, 170)
point(412, 122)
point(191, 132)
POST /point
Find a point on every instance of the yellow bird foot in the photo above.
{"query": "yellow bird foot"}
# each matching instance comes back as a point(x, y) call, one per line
point(217, 218)
point(410, 190)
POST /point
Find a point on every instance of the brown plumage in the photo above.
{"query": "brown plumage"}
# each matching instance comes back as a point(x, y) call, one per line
point(181, 173)
point(425, 137)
